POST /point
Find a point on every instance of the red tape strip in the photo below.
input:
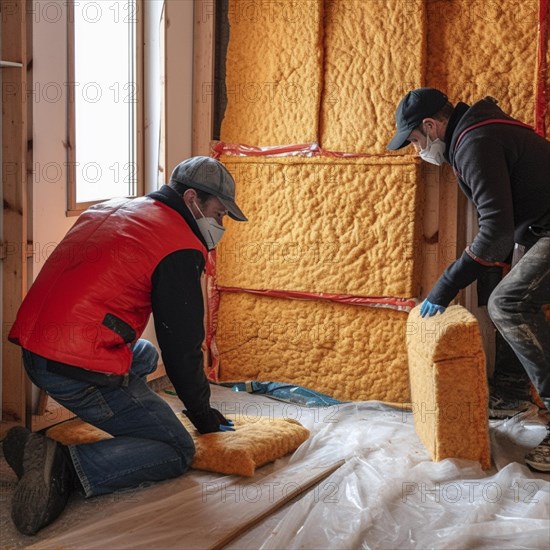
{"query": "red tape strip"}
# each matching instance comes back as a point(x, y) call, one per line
point(541, 100)
point(400, 304)
point(213, 292)
point(302, 150)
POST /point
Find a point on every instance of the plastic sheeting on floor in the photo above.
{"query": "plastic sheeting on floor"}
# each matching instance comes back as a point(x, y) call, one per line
point(387, 494)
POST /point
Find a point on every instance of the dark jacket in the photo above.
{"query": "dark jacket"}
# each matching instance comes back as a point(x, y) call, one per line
point(122, 260)
point(504, 169)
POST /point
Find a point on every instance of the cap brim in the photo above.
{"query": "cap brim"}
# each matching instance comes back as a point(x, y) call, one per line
point(400, 140)
point(233, 210)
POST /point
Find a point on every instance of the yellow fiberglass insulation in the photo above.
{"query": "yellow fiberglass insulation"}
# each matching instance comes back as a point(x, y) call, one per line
point(498, 56)
point(374, 54)
point(273, 72)
point(449, 385)
point(325, 225)
point(341, 224)
point(349, 352)
point(255, 442)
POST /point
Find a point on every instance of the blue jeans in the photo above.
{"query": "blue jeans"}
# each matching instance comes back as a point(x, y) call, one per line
point(149, 442)
point(515, 306)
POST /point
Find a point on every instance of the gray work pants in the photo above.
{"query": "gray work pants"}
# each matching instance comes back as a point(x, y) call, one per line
point(515, 307)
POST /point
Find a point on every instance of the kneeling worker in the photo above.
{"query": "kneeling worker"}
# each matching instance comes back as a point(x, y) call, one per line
point(80, 326)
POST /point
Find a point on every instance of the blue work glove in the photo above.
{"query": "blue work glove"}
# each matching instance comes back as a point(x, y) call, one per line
point(228, 428)
point(427, 309)
point(209, 420)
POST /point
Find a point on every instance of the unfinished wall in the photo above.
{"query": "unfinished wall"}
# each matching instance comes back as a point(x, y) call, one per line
point(355, 222)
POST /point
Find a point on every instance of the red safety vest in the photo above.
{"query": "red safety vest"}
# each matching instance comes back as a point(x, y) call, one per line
point(92, 297)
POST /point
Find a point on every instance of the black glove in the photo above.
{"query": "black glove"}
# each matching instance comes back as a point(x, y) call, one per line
point(209, 420)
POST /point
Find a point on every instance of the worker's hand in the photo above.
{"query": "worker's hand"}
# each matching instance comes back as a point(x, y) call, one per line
point(427, 309)
point(209, 420)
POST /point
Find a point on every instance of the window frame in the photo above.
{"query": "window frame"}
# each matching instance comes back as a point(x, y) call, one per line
point(75, 208)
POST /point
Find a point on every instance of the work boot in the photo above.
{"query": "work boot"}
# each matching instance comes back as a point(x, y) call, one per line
point(539, 457)
point(501, 407)
point(13, 446)
point(44, 488)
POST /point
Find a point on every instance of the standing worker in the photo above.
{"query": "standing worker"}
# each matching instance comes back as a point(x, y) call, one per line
point(503, 167)
point(79, 327)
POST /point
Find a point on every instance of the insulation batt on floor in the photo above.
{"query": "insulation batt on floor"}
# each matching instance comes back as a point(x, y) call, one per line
point(388, 494)
point(250, 445)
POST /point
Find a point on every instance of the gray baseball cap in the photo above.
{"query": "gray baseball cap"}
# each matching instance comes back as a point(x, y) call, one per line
point(211, 176)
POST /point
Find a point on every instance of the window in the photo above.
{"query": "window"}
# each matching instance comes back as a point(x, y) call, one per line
point(104, 101)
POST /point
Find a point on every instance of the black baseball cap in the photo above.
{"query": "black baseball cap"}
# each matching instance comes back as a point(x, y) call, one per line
point(412, 110)
point(211, 176)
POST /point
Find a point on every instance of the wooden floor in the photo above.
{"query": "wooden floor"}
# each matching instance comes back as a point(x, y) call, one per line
point(355, 505)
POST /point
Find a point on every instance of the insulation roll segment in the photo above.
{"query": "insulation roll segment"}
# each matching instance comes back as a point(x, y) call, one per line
point(273, 72)
point(349, 352)
point(449, 391)
point(325, 225)
point(481, 48)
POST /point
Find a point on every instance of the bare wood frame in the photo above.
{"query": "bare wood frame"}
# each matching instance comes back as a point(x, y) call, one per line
point(15, 151)
point(204, 35)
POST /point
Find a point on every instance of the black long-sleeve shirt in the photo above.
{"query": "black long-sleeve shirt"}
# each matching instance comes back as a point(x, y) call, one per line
point(504, 170)
point(178, 312)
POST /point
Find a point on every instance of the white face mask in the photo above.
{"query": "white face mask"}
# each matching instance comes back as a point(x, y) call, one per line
point(210, 229)
point(433, 153)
